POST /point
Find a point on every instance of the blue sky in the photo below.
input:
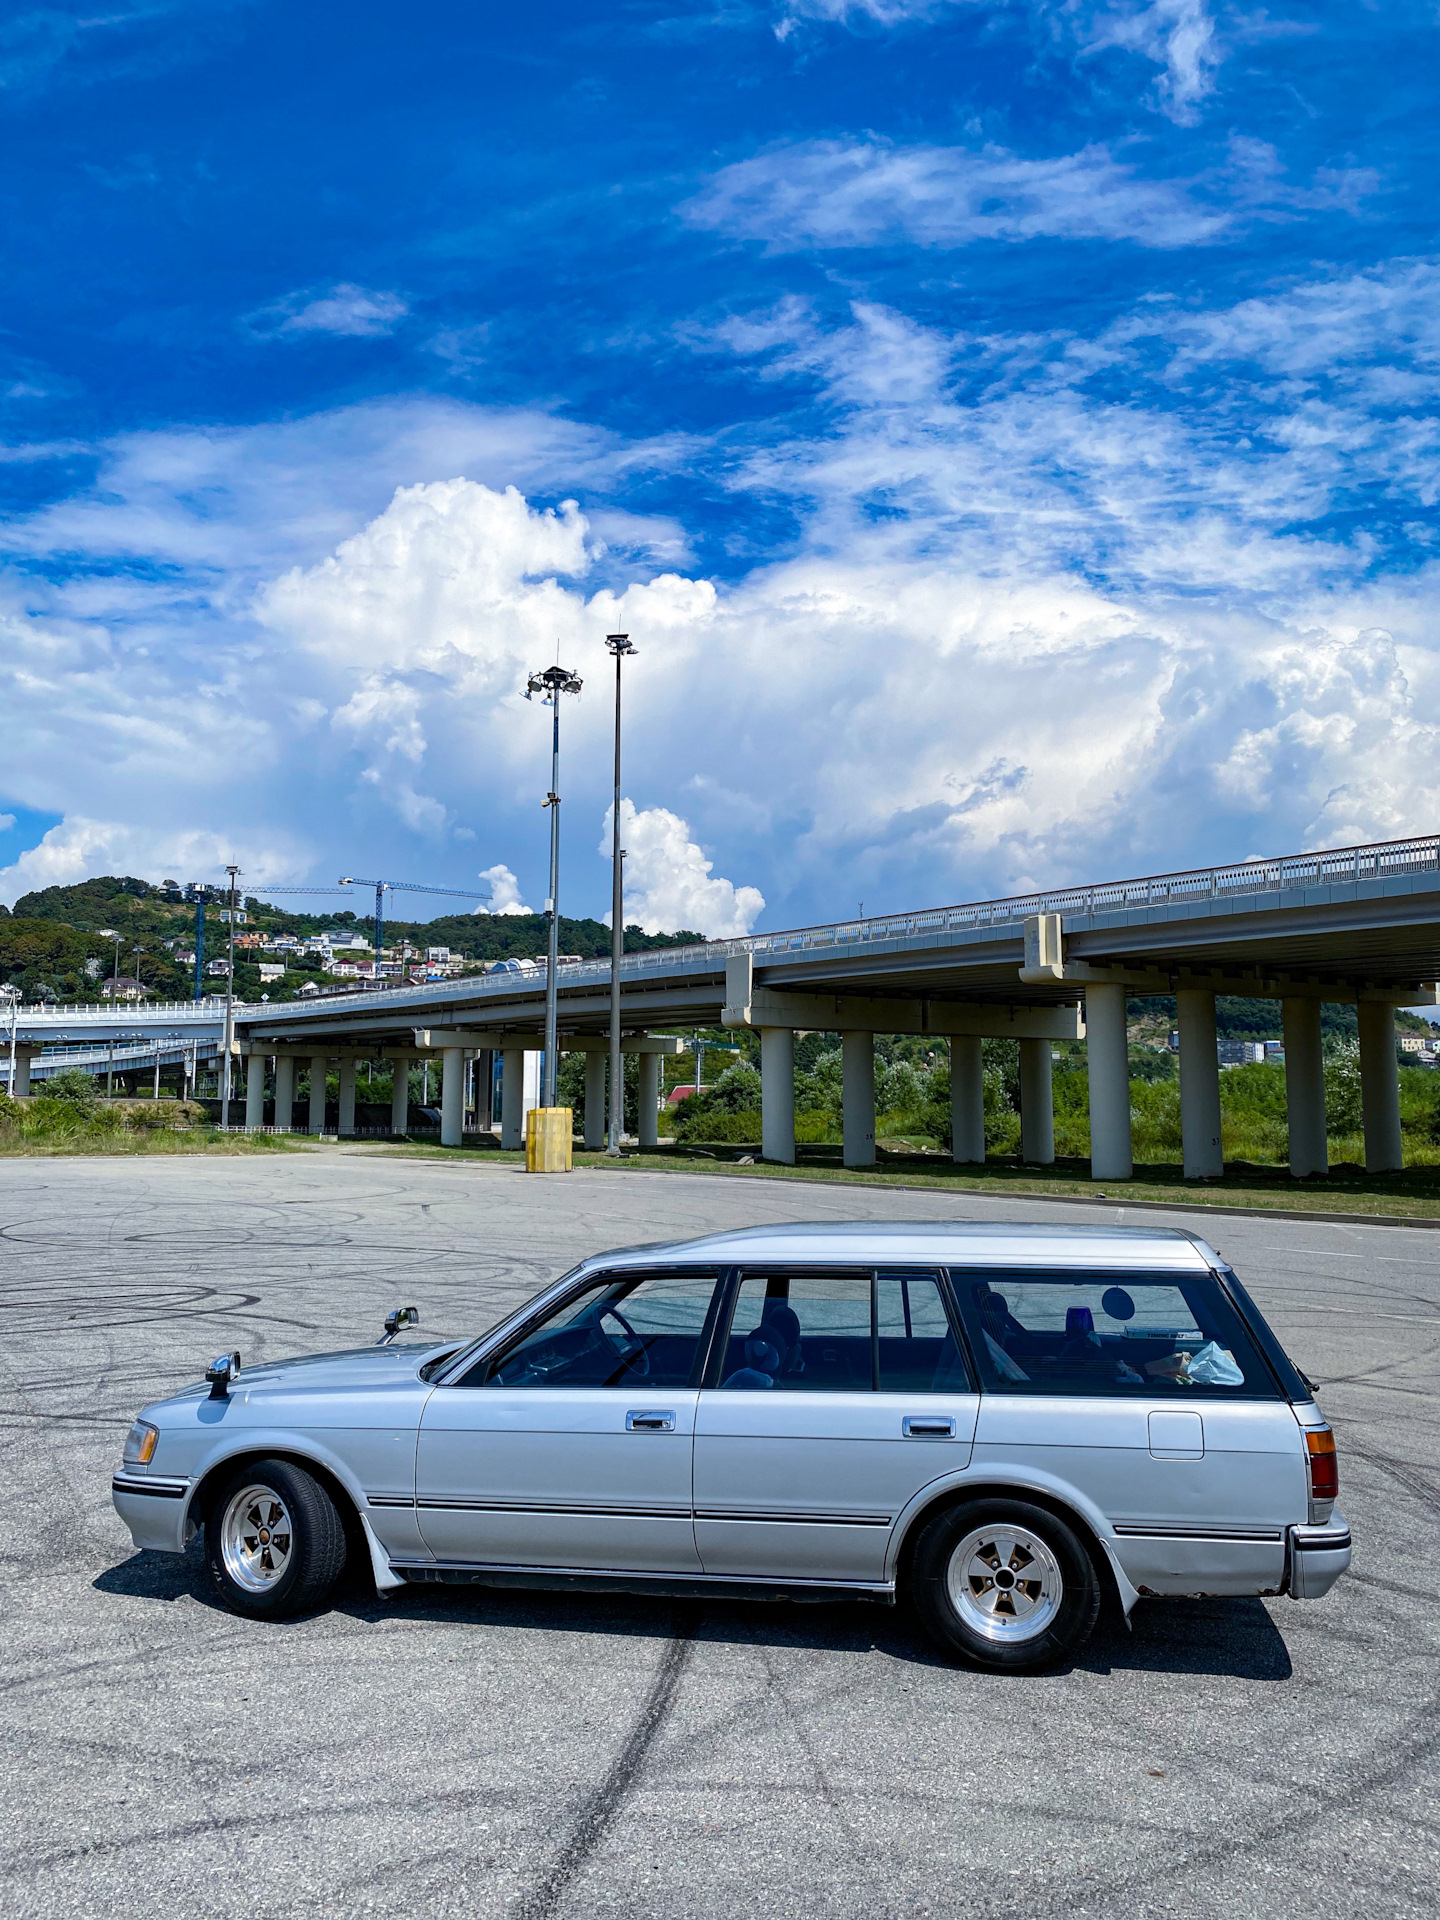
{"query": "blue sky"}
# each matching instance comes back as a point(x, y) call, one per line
point(1007, 431)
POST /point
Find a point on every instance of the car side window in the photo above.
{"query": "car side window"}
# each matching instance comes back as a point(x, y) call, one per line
point(813, 1332)
point(625, 1331)
point(807, 1332)
point(1154, 1335)
point(916, 1347)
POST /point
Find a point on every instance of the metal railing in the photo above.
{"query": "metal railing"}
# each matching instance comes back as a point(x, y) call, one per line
point(106, 1012)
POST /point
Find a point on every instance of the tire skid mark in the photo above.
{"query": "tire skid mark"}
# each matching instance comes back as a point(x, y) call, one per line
point(597, 1814)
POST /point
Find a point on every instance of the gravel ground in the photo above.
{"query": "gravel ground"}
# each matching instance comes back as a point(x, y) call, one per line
point(460, 1751)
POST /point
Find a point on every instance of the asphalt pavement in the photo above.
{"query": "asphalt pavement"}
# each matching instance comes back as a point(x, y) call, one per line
point(463, 1751)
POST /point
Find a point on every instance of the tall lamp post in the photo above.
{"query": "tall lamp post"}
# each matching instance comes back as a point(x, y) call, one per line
point(550, 685)
point(619, 645)
point(229, 1011)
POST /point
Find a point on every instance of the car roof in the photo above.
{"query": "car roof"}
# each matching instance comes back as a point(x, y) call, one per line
point(944, 1243)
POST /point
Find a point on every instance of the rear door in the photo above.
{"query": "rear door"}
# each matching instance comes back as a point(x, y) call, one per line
point(836, 1396)
point(572, 1447)
point(1146, 1393)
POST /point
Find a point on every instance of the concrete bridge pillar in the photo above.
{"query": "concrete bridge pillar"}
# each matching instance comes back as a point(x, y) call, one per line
point(967, 1100)
point(484, 1089)
point(650, 1100)
point(1305, 1087)
point(1380, 1088)
point(595, 1064)
point(254, 1092)
point(857, 1098)
point(400, 1093)
point(1037, 1104)
point(1199, 1085)
point(20, 1089)
point(512, 1098)
point(1108, 1059)
point(346, 1120)
point(284, 1092)
point(452, 1098)
point(318, 1064)
point(777, 1095)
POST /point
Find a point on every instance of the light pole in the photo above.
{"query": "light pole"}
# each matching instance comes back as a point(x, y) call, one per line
point(551, 684)
point(200, 893)
point(619, 645)
point(229, 1011)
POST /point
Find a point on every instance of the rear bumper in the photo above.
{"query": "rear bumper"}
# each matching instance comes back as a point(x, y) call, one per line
point(1318, 1557)
point(153, 1508)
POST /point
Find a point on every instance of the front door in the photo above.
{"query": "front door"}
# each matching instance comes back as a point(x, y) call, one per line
point(572, 1447)
point(837, 1397)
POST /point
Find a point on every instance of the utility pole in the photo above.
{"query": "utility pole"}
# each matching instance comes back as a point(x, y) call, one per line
point(619, 645)
point(551, 684)
point(229, 1011)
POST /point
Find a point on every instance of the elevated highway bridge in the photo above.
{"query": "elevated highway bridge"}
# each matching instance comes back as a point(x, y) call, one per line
point(1357, 925)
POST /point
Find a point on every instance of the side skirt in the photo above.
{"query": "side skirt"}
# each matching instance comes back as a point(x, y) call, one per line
point(679, 1586)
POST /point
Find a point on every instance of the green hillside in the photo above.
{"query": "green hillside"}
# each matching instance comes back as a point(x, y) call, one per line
point(55, 943)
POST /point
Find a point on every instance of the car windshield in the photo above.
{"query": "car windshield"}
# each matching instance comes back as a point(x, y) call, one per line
point(1124, 1333)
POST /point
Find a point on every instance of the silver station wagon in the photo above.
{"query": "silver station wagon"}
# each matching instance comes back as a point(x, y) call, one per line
point(1005, 1425)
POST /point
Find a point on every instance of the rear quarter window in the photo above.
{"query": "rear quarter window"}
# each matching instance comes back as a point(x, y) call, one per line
point(1170, 1336)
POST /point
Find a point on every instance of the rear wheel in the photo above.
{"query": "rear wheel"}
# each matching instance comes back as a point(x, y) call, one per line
point(1005, 1585)
point(274, 1542)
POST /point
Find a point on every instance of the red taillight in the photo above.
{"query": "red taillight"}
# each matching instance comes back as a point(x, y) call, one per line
point(1324, 1464)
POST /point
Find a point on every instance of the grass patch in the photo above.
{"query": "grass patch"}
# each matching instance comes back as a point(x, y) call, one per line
point(44, 1125)
point(1348, 1190)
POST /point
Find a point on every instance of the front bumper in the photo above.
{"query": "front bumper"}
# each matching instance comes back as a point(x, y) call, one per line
point(153, 1507)
point(1318, 1557)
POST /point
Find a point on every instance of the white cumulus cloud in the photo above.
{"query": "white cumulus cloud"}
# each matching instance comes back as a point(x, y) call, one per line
point(669, 886)
point(504, 891)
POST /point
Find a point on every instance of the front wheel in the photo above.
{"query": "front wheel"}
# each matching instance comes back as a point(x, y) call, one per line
point(274, 1543)
point(1005, 1585)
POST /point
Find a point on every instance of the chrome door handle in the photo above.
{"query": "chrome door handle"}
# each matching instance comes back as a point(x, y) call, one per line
point(928, 1426)
point(649, 1423)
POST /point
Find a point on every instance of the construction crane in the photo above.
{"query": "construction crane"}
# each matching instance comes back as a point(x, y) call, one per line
point(382, 887)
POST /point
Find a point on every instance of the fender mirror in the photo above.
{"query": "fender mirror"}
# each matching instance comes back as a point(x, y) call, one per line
point(221, 1373)
point(397, 1318)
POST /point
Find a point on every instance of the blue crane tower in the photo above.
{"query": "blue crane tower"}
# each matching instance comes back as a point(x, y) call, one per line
point(382, 887)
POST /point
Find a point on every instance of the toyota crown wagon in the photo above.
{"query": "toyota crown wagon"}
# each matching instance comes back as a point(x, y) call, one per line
point(1004, 1424)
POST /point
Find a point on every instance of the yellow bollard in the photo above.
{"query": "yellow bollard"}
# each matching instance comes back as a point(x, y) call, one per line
point(548, 1139)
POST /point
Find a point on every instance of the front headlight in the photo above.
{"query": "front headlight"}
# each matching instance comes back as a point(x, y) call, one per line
point(140, 1444)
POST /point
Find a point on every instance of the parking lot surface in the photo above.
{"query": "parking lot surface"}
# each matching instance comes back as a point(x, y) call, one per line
point(495, 1753)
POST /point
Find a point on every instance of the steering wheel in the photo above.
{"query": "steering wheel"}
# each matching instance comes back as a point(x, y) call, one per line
point(629, 1346)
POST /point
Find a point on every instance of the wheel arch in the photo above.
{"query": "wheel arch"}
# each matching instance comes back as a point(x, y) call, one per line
point(935, 1500)
point(215, 1475)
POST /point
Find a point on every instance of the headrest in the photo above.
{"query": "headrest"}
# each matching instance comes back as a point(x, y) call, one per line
point(1079, 1320)
point(782, 1321)
point(762, 1354)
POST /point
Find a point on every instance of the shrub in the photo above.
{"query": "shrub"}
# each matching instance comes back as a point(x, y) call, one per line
point(1343, 1111)
point(75, 1088)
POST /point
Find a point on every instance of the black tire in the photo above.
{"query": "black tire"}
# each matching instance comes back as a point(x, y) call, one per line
point(1011, 1607)
point(274, 1543)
